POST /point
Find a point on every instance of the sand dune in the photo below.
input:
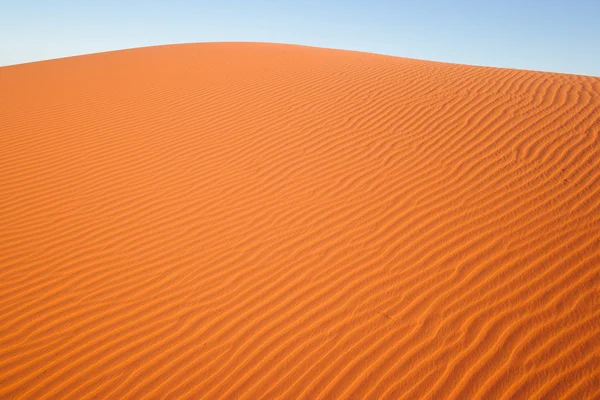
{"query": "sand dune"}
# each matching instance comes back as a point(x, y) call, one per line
point(272, 221)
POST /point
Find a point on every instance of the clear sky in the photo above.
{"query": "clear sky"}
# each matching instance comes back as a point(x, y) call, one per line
point(546, 35)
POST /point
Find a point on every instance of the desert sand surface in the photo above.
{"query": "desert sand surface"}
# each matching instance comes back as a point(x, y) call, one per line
point(230, 220)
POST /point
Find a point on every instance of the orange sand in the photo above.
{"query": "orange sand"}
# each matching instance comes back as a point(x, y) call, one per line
point(273, 221)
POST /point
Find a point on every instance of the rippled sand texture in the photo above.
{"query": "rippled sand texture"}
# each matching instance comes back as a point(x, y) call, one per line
point(274, 221)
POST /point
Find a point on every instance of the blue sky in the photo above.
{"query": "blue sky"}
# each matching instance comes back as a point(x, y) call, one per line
point(546, 35)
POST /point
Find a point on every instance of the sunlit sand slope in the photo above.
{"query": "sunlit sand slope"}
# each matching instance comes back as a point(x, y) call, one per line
point(271, 221)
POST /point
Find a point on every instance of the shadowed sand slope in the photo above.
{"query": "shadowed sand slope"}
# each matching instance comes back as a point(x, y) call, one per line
point(271, 221)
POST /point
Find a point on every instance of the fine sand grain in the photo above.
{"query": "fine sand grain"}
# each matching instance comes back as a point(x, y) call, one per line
point(232, 220)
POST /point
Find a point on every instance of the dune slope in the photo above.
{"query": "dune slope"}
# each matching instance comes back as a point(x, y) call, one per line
point(271, 221)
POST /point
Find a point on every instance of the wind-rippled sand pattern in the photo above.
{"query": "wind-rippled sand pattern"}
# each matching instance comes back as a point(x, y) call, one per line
point(272, 221)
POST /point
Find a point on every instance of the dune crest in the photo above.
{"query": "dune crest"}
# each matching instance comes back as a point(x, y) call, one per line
point(253, 221)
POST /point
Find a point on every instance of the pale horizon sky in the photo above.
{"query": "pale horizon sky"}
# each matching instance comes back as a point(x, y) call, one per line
point(543, 35)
